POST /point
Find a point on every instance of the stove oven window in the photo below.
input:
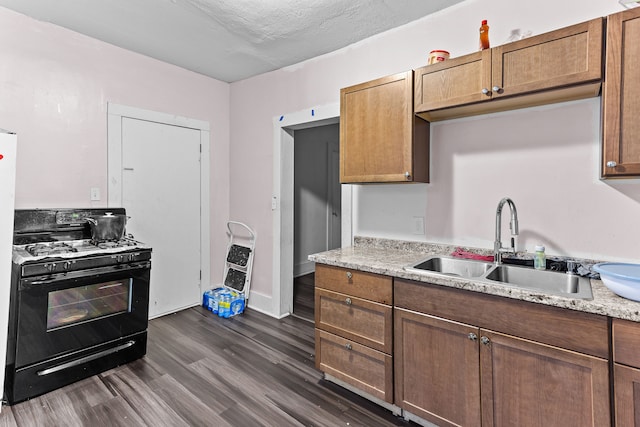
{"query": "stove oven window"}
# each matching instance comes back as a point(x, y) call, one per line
point(75, 305)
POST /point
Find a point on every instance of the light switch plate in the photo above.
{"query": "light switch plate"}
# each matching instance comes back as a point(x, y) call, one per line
point(418, 225)
point(95, 194)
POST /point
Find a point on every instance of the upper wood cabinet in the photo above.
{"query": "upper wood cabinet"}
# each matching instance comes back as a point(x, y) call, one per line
point(621, 97)
point(381, 140)
point(556, 66)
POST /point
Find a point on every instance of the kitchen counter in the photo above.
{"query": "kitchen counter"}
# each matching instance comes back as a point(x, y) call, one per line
point(388, 257)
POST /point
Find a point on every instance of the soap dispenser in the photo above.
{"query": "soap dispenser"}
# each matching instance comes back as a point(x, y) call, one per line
point(540, 259)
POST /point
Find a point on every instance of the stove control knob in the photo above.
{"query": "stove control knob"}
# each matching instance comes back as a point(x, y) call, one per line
point(50, 266)
point(67, 264)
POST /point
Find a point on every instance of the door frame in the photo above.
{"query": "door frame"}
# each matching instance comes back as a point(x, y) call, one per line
point(115, 114)
point(332, 146)
point(282, 205)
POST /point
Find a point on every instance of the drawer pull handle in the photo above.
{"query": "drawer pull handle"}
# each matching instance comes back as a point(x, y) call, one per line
point(348, 346)
point(484, 340)
point(349, 275)
point(472, 336)
point(348, 301)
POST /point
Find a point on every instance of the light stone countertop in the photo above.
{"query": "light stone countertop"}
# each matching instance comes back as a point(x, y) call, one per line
point(388, 257)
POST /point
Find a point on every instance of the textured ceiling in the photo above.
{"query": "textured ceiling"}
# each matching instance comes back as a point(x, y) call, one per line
point(229, 40)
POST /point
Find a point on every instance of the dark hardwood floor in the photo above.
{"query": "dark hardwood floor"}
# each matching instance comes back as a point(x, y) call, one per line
point(303, 291)
point(202, 370)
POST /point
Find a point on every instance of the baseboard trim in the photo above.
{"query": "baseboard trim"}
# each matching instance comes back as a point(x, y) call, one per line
point(304, 268)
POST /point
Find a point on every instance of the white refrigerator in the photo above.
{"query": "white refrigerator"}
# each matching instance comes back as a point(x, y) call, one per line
point(8, 149)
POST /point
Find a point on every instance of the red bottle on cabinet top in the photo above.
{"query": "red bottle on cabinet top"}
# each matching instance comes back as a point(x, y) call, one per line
point(484, 35)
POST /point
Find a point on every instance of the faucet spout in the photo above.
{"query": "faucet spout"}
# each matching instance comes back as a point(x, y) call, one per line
point(498, 249)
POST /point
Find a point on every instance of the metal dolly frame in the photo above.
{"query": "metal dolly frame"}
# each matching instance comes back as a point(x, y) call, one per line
point(239, 261)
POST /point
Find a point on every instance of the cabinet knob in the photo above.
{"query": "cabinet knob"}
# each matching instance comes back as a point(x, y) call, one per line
point(472, 336)
point(497, 89)
point(349, 275)
point(611, 164)
point(407, 175)
point(484, 340)
point(348, 346)
point(348, 301)
point(485, 91)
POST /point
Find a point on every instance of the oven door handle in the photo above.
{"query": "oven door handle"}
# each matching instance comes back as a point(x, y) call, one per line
point(59, 277)
point(85, 359)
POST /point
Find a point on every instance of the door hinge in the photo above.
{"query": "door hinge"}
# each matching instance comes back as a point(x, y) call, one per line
point(200, 274)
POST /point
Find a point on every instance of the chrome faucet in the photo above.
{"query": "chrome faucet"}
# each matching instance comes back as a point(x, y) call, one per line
point(513, 226)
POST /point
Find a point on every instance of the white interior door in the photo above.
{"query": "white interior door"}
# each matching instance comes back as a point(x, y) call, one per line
point(161, 193)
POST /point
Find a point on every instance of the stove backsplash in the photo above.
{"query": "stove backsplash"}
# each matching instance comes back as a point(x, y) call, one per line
point(31, 225)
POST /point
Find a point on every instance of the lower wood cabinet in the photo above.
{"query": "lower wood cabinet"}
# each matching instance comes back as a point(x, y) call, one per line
point(353, 318)
point(454, 373)
point(525, 383)
point(437, 376)
point(626, 384)
point(460, 358)
point(627, 395)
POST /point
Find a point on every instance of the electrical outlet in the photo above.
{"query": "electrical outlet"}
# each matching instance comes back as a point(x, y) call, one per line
point(418, 225)
point(95, 194)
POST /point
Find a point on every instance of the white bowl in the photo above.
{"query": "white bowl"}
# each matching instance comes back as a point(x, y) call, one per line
point(622, 279)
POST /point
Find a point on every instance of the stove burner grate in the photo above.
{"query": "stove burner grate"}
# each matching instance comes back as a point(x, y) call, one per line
point(39, 249)
point(108, 244)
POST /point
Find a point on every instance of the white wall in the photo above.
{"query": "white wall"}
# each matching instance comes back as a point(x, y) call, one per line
point(545, 158)
point(311, 193)
point(54, 88)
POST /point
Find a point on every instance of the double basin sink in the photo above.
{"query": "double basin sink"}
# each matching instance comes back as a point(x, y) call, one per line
point(543, 281)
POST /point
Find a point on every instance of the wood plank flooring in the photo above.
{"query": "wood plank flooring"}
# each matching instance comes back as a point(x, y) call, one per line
point(303, 293)
point(202, 370)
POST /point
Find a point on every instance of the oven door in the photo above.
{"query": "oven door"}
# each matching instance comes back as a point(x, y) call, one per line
point(64, 313)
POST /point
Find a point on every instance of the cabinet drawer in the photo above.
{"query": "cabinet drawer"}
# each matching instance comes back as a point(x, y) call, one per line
point(626, 342)
point(371, 286)
point(360, 366)
point(366, 322)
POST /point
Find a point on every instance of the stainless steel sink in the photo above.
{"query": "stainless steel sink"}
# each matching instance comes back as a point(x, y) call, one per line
point(553, 282)
point(543, 281)
point(452, 266)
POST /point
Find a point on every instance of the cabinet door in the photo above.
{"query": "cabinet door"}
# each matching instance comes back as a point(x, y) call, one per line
point(564, 57)
point(525, 383)
point(377, 132)
point(453, 82)
point(627, 395)
point(436, 369)
point(621, 97)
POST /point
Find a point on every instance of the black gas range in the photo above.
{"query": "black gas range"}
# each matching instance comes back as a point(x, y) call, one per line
point(78, 307)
